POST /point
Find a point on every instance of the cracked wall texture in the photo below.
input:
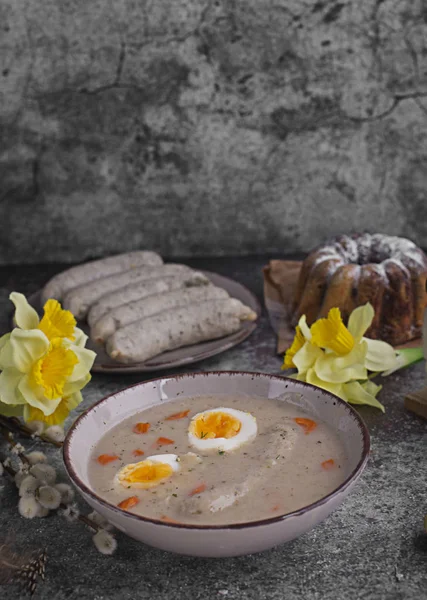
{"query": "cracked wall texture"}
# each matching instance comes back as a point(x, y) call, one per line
point(209, 127)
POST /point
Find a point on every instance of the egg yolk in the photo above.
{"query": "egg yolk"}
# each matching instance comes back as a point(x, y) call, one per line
point(216, 425)
point(146, 474)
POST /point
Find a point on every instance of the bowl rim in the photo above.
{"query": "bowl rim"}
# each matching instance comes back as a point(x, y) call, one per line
point(75, 478)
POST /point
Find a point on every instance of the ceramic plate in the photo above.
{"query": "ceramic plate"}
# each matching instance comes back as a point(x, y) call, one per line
point(181, 356)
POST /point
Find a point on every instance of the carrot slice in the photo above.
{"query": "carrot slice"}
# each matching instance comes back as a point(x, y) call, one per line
point(328, 464)
point(138, 452)
point(104, 459)
point(198, 490)
point(162, 441)
point(178, 415)
point(128, 503)
point(167, 519)
point(141, 428)
point(308, 424)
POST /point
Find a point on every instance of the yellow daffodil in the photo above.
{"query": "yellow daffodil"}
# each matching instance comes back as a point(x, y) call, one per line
point(55, 323)
point(331, 333)
point(338, 358)
point(44, 363)
point(59, 415)
point(297, 344)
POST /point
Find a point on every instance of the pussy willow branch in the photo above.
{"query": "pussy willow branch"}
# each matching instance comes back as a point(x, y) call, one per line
point(11, 471)
point(15, 426)
point(9, 439)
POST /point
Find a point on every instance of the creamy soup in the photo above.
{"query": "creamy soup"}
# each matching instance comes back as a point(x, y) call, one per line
point(217, 460)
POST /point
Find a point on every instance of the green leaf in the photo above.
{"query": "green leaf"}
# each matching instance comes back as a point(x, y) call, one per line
point(406, 357)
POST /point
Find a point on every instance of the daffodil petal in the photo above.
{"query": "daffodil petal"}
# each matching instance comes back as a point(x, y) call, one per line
point(297, 344)
point(300, 376)
point(57, 417)
point(3, 340)
point(86, 358)
point(380, 356)
point(80, 338)
point(371, 387)
point(305, 329)
point(306, 357)
point(23, 349)
point(71, 387)
point(74, 400)
point(334, 388)
point(9, 391)
point(357, 394)
point(340, 369)
point(5, 356)
point(360, 320)
point(34, 397)
point(297, 376)
point(57, 322)
point(25, 315)
point(332, 334)
point(11, 410)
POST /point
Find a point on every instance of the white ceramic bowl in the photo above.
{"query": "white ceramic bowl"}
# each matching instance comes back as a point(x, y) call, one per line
point(217, 540)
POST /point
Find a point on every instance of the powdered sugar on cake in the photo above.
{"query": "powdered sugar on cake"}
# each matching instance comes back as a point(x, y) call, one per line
point(350, 270)
point(368, 248)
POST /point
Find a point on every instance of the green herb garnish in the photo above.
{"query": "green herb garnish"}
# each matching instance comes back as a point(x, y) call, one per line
point(203, 435)
point(175, 495)
point(221, 452)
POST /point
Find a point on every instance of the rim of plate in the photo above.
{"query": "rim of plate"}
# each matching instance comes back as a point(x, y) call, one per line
point(188, 354)
point(72, 473)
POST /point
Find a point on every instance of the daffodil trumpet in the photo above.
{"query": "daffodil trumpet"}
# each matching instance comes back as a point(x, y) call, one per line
point(338, 358)
point(44, 364)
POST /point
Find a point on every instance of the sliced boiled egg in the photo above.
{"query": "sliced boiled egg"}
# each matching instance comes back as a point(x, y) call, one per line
point(148, 473)
point(223, 429)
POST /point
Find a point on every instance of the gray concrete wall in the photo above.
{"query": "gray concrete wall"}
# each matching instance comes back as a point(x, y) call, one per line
point(209, 127)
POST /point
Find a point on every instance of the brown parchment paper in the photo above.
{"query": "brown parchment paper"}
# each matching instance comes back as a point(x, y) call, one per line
point(280, 280)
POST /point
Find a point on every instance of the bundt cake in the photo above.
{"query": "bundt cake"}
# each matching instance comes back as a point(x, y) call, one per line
point(350, 270)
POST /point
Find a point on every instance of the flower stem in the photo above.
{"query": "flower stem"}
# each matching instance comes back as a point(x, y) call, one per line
point(88, 522)
point(82, 518)
point(8, 469)
point(9, 439)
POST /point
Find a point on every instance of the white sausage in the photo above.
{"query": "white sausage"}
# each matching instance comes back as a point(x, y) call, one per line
point(130, 293)
point(280, 442)
point(60, 284)
point(140, 309)
point(80, 299)
point(168, 330)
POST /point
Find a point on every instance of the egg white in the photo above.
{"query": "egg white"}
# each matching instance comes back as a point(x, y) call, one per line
point(248, 431)
point(169, 459)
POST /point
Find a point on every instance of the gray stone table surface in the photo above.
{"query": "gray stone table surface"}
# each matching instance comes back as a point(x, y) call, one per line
point(372, 547)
